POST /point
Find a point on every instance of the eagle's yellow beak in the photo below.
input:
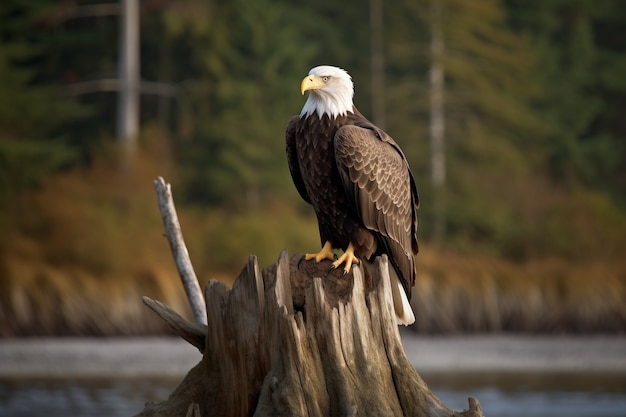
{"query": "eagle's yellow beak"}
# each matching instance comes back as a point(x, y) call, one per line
point(311, 82)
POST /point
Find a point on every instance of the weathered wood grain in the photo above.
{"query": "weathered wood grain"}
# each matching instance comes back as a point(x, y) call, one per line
point(298, 339)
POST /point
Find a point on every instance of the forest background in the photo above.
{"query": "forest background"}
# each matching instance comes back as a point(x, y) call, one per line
point(523, 230)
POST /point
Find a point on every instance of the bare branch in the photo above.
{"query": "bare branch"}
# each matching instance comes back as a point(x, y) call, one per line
point(113, 85)
point(193, 333)
point(179, 250)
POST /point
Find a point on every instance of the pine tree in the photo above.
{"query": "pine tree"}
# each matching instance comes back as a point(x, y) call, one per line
point(34, 112)
point(582, 62)
point(487, 115)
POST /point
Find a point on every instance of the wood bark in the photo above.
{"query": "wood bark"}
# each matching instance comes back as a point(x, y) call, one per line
point(299, 339)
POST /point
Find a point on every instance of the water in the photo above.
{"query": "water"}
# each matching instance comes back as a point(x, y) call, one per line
point(81, 397)
point(501, 395)
point(536, 395)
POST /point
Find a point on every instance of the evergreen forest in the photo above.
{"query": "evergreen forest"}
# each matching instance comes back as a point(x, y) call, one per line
point(512, 114)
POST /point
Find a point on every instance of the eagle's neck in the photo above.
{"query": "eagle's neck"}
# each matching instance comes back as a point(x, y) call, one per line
point(321, 102)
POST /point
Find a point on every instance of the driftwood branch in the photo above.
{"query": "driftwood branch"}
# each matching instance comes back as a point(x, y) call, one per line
point(299, 339)
point(191, 332)
point(179, 250)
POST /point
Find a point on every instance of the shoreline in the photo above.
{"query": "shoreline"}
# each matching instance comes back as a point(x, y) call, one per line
point(504, 353)
point(173, 357)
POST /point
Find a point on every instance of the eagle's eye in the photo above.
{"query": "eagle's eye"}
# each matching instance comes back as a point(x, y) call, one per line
point(325, 78)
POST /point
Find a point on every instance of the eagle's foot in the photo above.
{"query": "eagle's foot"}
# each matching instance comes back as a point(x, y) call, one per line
point(325, 253)
point(349, 258)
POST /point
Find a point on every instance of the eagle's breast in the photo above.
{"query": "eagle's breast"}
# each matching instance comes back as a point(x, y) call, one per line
point(316, 158)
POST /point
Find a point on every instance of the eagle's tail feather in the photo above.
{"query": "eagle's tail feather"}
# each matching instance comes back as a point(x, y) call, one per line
point(404, 312)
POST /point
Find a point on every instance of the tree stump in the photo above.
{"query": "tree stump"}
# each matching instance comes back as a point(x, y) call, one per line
point(299, 340)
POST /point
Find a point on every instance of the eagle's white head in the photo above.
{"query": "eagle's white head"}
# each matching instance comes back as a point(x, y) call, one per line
point(330, 91)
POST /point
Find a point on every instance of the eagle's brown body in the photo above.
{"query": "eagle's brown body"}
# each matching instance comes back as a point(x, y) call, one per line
point(360, 186)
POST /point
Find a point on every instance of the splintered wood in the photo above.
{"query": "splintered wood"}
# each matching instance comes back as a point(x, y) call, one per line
point(299, 340)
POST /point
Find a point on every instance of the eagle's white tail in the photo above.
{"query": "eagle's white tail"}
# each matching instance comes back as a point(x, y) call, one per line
point(401, 305)
point(404, 312)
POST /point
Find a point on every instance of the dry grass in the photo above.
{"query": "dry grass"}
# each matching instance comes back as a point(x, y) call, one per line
point(83, 251)
point(47, 301)
point(453, 294)
point(473, 294)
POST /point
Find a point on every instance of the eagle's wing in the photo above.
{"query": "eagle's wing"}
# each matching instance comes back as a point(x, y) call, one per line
point(377, 178)
point(292, 158)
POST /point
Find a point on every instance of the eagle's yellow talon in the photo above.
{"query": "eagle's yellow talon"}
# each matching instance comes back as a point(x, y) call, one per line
point(325, 253)
point(349, 258)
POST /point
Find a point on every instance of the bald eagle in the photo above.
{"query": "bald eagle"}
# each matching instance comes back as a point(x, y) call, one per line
point(357, 180)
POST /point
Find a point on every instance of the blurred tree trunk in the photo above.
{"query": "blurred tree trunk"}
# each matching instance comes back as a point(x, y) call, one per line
point(129, 76)
point(377, 56)
point(437, 119)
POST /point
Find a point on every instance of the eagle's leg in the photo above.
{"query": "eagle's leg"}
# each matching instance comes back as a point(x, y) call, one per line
point(348, 258)
point(325, 253)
